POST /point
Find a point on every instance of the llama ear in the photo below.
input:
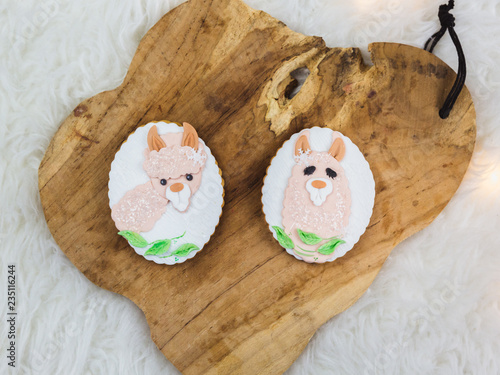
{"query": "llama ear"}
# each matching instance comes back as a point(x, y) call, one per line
point(190, 137)
point(302, 144)
point(338, 149)
point(155, 143)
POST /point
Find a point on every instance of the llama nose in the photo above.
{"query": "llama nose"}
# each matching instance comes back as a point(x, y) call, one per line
point(176, 187)
point(318, 184)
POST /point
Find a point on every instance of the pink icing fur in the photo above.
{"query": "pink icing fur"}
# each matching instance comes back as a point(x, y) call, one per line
point(141, 207)
point(173, 161)
point(327, 220)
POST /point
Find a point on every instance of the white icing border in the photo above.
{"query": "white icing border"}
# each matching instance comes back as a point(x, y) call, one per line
point(358, 173)
point(202, 216)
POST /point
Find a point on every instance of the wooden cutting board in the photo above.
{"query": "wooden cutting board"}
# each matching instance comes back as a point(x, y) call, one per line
point(243, 305)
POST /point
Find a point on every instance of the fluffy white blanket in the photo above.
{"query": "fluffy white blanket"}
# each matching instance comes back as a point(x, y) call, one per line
point(433, 309)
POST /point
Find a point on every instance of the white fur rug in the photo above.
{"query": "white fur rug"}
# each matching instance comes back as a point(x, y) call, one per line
point(434, 308)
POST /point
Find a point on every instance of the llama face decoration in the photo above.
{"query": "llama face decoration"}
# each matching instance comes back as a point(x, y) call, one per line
point(318, 195)
point(165, 192)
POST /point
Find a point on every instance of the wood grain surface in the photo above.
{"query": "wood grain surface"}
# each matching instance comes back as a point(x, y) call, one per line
point(243, 305)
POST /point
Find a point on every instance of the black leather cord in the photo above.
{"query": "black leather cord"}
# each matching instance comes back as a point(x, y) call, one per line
point(447, 21)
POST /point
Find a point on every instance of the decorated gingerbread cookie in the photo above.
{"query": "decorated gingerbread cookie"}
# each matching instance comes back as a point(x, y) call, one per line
point(318, 195)
point(165, 192)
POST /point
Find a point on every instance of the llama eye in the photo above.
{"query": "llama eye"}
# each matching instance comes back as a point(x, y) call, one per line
point(331, 173)
point(189, 177)
point(163, 181)
point(309, 170)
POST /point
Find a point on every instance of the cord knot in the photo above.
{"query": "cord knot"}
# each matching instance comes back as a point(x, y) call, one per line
point(445, 17)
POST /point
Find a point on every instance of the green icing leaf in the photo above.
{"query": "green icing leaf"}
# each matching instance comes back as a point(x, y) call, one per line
point(135, 239)
point(283, 238)
point(309, 238)
point(185, 249)
point(330, 246)
point(159, 247)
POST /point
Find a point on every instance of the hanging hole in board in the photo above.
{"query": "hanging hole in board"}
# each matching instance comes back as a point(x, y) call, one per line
point(299, 76)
